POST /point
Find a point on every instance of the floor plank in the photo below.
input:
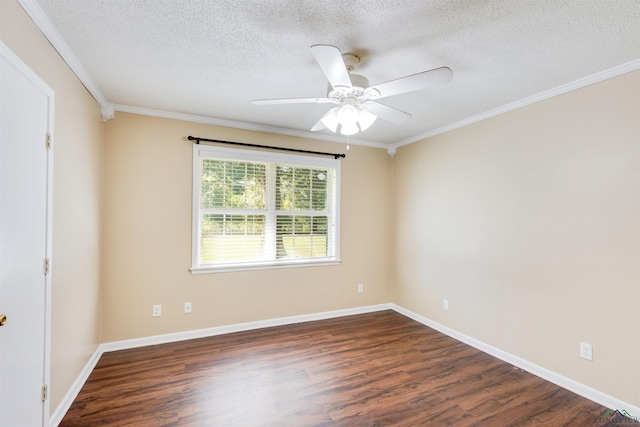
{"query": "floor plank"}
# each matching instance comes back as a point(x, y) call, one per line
point(376, 369)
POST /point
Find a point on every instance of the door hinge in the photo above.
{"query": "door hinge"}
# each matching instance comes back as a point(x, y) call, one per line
point(45, 392)
point(48, 141)
point(46, 266)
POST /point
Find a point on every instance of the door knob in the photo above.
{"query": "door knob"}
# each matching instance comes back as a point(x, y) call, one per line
point(3, 319)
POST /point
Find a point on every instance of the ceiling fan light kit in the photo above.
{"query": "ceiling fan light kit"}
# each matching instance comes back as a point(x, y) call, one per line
point(351, 118)
point(357, 107)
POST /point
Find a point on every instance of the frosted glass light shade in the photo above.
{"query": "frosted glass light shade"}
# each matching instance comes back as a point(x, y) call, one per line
point(349, 129)
point(366, 119)
point(347, 115)
point(330, 120)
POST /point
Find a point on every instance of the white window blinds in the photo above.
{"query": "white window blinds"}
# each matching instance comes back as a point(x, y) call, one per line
point(255, 209)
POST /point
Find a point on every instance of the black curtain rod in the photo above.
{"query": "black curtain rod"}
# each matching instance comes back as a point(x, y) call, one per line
point(244, 144)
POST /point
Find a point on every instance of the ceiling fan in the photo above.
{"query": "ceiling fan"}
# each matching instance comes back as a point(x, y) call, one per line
point(357, 102)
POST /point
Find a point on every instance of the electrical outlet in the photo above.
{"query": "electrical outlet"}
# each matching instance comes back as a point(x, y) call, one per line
point(586, 351)
point(445, 304)
point(157, 310)
point(360, 288)
point(187, 307)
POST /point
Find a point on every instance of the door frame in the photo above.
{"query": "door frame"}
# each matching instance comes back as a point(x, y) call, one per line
point(8, 55)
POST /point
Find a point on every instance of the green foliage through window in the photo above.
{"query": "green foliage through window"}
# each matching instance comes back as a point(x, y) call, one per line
point(232, 184)
point(255, 211)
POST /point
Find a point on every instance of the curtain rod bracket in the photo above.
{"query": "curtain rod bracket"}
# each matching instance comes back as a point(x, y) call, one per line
point(245, 144)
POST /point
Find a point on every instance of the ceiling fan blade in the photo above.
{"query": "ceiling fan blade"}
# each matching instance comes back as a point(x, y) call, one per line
point(330, 60)
point(291, 101)
point(418, 81)
point(388, 113)
point(318, 126)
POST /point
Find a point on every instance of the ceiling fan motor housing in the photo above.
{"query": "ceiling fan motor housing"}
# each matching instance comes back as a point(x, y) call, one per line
point(358, 86)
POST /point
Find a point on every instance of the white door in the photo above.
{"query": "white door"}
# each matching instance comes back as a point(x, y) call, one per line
point(24, 243)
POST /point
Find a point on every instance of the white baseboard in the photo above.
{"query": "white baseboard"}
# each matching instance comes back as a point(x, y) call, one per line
point(562, 381)
point(567, 383)
point(56, 418)
point(239, 327)
point(73, 392)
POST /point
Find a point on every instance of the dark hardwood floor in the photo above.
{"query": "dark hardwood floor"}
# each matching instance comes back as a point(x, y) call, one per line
point(378, 369)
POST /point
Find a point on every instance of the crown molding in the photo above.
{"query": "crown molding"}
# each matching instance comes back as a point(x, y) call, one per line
point(33, 9)
point(577, 84)
point(246, 126)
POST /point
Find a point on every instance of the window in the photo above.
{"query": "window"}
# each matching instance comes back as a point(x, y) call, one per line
point(257, 209)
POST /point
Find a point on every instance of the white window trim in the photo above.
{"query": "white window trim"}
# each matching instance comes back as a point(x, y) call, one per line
point(269, 157)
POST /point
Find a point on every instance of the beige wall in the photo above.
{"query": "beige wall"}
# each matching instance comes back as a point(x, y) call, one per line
point(77, 182)
point(529, 224)
point(147, 242)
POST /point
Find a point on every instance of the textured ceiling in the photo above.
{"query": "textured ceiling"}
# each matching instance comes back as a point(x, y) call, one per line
point(211, 58)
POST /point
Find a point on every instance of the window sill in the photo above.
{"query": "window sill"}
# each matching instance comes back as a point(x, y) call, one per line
point(269, 265)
